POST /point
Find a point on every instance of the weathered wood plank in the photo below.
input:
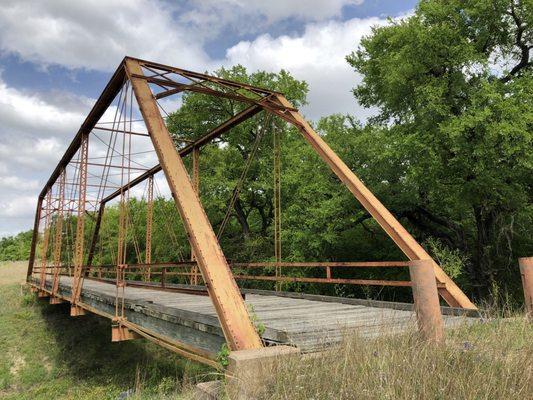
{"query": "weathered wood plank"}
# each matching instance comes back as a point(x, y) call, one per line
point(309, 323)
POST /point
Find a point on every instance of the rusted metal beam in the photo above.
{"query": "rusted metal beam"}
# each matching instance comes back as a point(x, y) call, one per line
point(172, 92)
point(453, 295)
point(347, 281)
point(46, 238)
point(80, 224)
point(101, 105)
point(34, 238)
point(96, 233)
point(238, 329)
point(276, 136)
point(123, 167)
point(197, 75)
point(120, 131)
point(207, 138)
point(179, 87)
point(149, 220)
point(195, 177)
point(58, 233)
point(329, 264)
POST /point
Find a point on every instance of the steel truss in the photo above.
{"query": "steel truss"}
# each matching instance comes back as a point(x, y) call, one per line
point(149, 81)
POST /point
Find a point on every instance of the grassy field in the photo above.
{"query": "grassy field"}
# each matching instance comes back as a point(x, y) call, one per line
point(46, 354)
point(487, 361)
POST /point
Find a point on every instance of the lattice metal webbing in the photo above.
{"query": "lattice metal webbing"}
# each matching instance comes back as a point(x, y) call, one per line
point(196, 186)
point(80, 222)
point(46, 239)
point(149, 221)
point(58, 240)
point(276, 135)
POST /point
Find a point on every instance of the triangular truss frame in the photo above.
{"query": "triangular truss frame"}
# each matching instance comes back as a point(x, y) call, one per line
point(222, 288)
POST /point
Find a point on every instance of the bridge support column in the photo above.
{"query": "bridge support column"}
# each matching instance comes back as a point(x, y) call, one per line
point(119, 333)
point(526, 272)
point(76, 311)
point(426, 298)
point(56, 300)
point(248, 371)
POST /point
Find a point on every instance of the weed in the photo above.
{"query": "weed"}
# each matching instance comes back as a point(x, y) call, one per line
point(259, 326)
point(222, 355)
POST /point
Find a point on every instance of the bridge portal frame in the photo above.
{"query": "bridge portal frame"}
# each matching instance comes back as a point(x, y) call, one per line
point(238, 329)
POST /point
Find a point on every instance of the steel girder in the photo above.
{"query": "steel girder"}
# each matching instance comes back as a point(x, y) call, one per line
point(236, 324)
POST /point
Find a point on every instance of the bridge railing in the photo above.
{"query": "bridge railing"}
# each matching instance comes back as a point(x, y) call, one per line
point(162, 274)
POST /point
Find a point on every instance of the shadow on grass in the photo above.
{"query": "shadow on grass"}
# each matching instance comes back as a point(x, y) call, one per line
point(84, 351)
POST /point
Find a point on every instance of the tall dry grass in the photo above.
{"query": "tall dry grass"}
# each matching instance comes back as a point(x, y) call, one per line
point(12, 272)
point(493, 360)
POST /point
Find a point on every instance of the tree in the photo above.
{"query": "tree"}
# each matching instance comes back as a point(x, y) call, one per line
point(453, 84)
point(16, 248)
point(221, 162)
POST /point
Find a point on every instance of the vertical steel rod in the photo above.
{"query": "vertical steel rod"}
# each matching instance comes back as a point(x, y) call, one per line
point(276, 134)
point(149, 220)
point(80, 222)
point(96, 233)
point(196, 186)
point(34, 238)
point(46, 239)
point(58, 240)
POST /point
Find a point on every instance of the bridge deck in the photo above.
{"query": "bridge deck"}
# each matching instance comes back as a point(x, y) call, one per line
point(305, 323)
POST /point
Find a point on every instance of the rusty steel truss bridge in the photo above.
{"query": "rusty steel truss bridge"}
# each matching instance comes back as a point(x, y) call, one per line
point(109, 158)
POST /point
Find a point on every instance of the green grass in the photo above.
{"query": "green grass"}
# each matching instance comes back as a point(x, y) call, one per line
point(492, 361)
point(45, 354)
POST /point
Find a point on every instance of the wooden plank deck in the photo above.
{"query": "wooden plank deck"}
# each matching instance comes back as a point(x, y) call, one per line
point(306, 323)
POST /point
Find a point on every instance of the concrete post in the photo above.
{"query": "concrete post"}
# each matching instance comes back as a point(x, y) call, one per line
point(526, 271)
point(248, 371)
point(426, 298)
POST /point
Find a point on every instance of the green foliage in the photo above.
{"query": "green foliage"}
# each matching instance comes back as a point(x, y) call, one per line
point(455, 127)
point(46, 354)
point(259, 326)
point(15, 248)
point(452, 261)
point(448, 153)
point(222, 355)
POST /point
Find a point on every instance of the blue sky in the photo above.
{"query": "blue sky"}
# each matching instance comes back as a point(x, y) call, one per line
point(56, 56)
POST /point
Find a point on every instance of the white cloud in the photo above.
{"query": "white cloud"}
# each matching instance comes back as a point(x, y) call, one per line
point(21, 112)
point(15, 182)
point(95, 34)
point(305, 9)
point(37, 127)
point(248, 16)
point(35, 131)
point(318, 57)
point(18, 207)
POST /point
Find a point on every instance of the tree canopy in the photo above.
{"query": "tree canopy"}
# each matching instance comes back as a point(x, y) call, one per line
point(448, 152)
point(453, 84)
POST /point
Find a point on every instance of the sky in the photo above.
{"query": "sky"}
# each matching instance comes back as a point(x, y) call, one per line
point(56, 57)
